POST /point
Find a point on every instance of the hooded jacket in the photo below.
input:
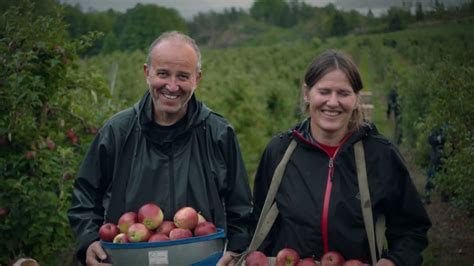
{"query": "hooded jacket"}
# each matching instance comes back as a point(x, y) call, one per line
point(128, 165)
point(319, 201)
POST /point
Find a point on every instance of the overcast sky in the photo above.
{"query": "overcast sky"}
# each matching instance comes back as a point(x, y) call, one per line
point(190, 8)
point(187, 8)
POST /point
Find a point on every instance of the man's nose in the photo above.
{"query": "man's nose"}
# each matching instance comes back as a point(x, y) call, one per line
point(172, 84)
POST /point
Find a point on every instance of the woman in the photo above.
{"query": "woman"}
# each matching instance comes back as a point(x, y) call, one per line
point(318, 198)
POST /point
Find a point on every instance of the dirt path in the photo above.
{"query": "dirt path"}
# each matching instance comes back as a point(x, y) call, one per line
point(452, 234)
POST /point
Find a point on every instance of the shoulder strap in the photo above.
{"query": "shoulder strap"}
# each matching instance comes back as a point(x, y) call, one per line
point(270, 210)
point(367, 205)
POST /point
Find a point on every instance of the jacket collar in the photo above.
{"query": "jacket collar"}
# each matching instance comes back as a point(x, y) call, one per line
point(302, 131)
point(197, 111)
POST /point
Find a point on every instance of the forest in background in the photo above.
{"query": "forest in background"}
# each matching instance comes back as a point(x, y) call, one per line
point(64, 72)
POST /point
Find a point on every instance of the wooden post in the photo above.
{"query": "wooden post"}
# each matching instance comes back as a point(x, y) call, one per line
point(367, 106)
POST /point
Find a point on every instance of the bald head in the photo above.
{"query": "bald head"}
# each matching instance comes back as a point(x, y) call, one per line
point(175, 36)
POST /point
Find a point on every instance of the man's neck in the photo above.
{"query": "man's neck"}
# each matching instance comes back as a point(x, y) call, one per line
point(166, 119)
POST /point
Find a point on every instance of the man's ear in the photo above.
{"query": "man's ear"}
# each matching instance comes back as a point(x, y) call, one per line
point(145, 70)
point(199, 75)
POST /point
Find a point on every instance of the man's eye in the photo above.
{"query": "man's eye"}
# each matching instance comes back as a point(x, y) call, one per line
point(183, 77)
point(162, 74)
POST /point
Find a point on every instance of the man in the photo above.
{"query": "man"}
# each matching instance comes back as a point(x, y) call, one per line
point(436, 139)
point(392, 103)
point(169, 149)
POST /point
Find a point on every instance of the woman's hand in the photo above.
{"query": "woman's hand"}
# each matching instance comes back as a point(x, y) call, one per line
point(229, 258)
point(385, 262)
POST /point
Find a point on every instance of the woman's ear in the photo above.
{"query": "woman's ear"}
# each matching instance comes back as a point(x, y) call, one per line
point(305, 93)
point(358, 100)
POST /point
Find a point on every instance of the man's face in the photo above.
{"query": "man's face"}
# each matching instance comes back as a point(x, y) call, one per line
point(172, 77)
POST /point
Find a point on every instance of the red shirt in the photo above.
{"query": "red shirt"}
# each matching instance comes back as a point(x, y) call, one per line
point(331, 150)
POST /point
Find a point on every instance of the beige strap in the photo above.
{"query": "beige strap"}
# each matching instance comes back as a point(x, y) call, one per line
point(267, 223)
point(380, 233)
point(367, 205)
point(276, 180)
point(270, 210)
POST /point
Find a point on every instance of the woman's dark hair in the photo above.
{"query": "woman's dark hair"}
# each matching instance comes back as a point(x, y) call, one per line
point(331, 60)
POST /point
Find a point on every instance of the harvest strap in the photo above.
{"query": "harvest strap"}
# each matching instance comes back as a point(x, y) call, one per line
point(270, 210)
point(376, 238)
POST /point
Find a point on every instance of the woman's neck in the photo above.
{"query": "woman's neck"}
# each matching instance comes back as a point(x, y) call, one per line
point(328, 138)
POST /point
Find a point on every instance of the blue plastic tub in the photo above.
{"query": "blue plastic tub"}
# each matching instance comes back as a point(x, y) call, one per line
point(197, 251)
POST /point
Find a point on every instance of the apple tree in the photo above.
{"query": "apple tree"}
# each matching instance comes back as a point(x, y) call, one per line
point(49, 111)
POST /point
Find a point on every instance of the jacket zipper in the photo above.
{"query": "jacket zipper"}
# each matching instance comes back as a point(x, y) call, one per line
point(327, 196)
point(171, 175)
point(327, 193)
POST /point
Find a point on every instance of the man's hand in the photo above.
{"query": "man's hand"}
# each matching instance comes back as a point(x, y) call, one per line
point(229, 258)
point(95, 254)
point(385, 262)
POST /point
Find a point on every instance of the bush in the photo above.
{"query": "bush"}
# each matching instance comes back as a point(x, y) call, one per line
point(46, 117)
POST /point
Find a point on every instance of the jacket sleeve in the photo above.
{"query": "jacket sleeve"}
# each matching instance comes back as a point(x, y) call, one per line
point(406, 217)
point(237, 195)
point(86, 213)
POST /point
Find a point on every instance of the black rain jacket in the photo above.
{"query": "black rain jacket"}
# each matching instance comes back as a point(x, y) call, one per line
point(302, 190)
point(126, 166)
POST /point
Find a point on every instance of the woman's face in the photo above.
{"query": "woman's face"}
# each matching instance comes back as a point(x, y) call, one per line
point(331, 103)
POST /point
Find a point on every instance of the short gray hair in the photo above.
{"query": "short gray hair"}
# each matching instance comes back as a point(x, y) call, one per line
point(175, 35)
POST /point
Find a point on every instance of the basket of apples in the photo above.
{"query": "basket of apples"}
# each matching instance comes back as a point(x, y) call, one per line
point(289, 257)
point(144, 238)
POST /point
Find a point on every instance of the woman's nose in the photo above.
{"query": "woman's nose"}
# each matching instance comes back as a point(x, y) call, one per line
point(332, 100)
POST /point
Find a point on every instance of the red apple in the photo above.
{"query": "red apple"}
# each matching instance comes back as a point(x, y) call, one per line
point(67, 176)
point(287, 257)
point(50, 144)
point(126, 220)
point(108, 231)
point(30, 155)
point(4, 141)
point(307, 262)
point(120, 238)
point(205, 228)
point(4, 211)
point(256, 258)
point(138, 232)
point(180, 233)
point(166, 227)
point(201, 218)
point(72, 136)
point(150, 215)
point(158, 237)
point(353, 262)
point(186, 218)
point(332, 258)
point(93, 130)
